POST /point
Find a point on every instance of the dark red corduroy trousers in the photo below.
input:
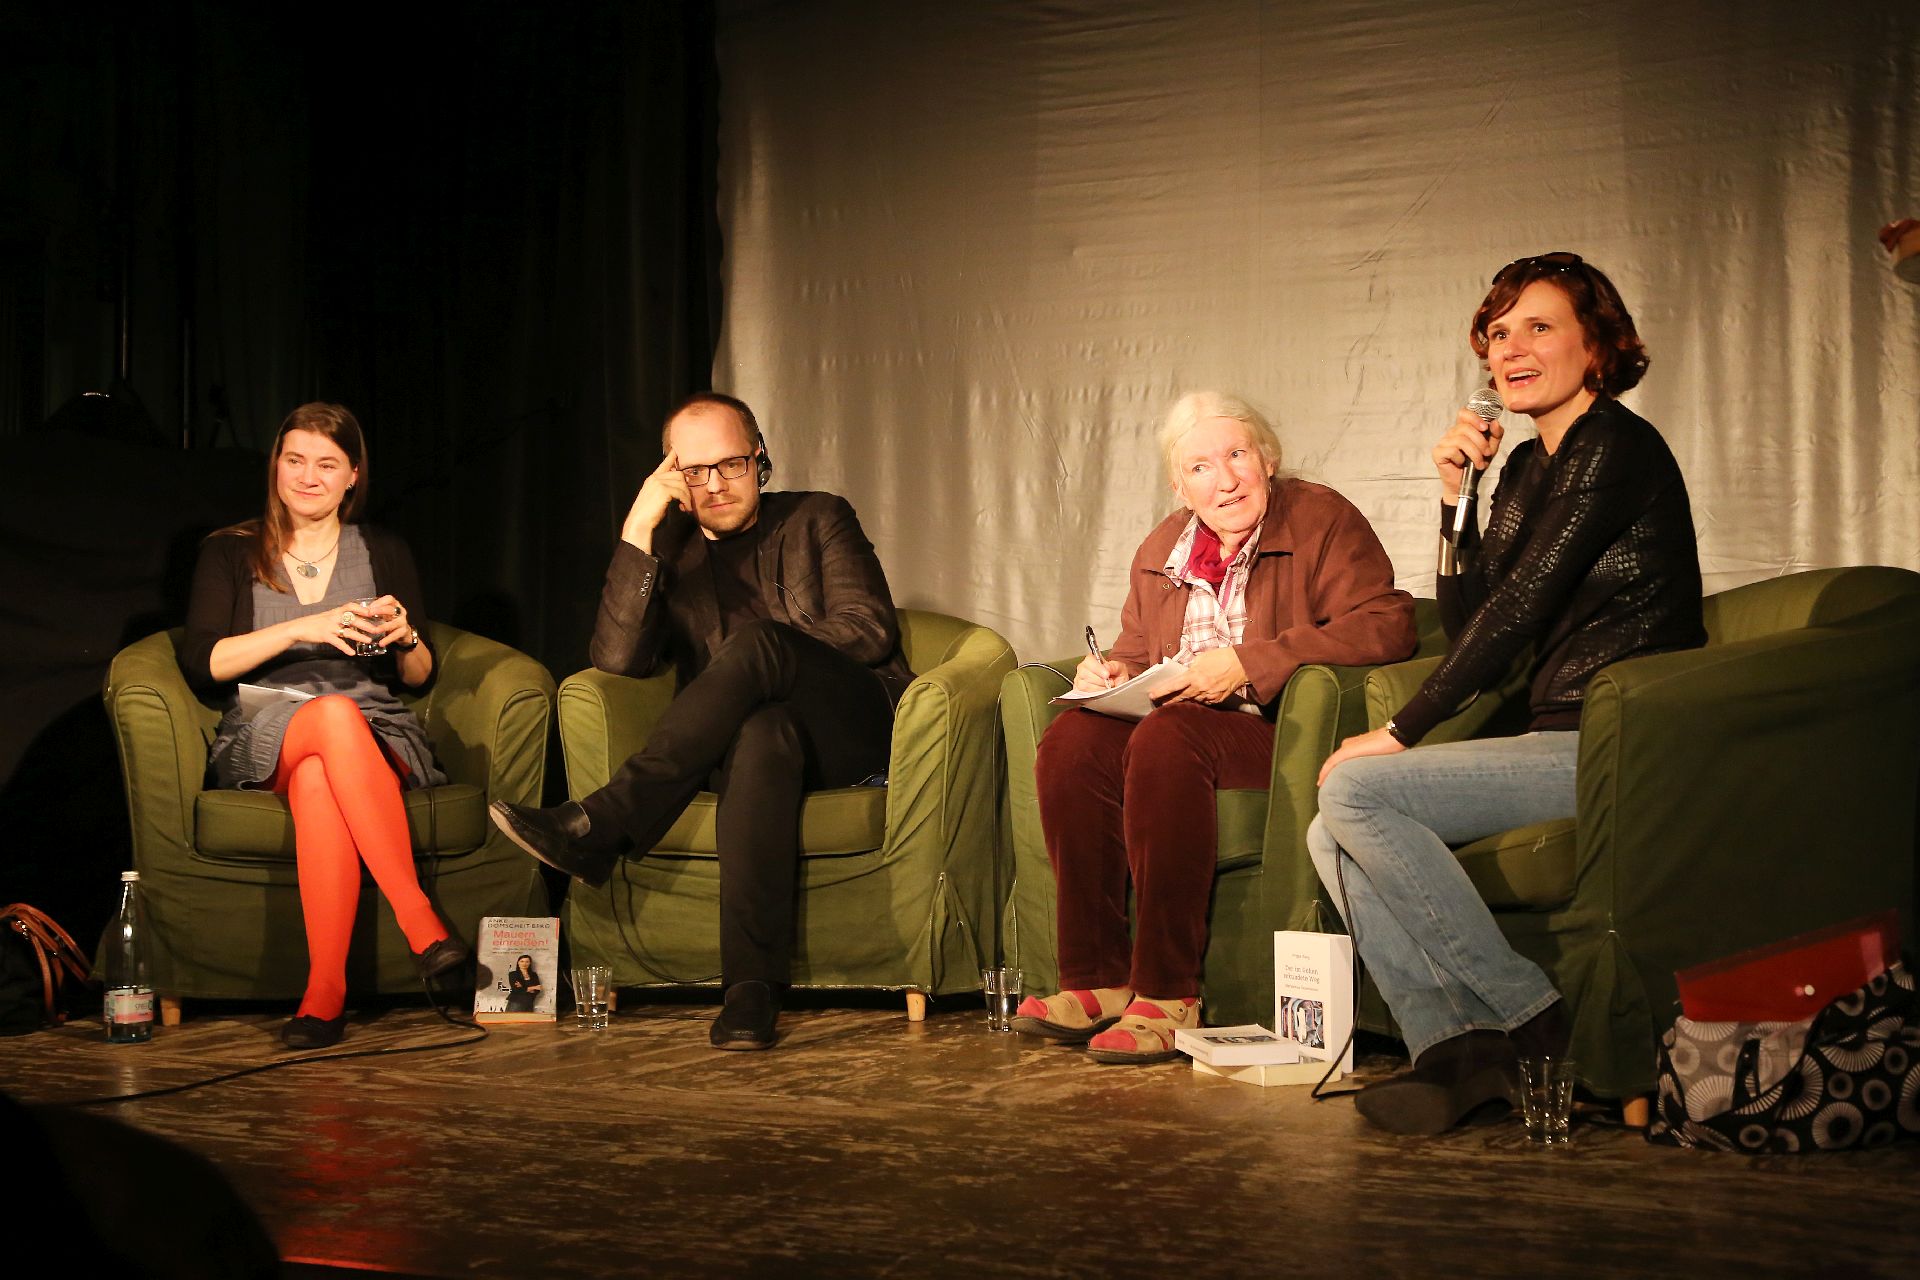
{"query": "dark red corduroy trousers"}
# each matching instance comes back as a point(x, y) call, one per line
point(1120, 798)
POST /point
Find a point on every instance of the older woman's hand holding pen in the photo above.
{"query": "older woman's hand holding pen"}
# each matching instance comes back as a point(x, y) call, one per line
point(1095, 672)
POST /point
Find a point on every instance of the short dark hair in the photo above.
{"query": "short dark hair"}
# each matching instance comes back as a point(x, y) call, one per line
point(754, 439)
point(1620, 358)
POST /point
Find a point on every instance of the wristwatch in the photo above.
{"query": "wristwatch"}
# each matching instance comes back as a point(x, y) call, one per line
point(413, 641)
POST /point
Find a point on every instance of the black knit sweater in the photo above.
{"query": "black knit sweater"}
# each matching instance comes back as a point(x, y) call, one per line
point(1589, 556)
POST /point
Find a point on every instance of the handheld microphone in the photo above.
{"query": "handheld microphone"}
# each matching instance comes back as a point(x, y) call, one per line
point(1485, 405)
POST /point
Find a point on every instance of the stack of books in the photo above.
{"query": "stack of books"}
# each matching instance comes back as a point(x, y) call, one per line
point(1312, 1019)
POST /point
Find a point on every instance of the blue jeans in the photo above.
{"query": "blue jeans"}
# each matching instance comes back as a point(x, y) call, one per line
point(1424, 932)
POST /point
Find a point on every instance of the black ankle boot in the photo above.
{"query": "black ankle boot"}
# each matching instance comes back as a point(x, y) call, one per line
point(1544, 1035)
point(1448, 1082)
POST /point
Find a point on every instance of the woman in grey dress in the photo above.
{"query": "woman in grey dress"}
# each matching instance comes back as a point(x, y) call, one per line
point(285, 603)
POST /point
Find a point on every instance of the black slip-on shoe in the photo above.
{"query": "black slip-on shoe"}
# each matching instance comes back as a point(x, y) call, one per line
point(309, 1032)
point(747, 1019)
point(441, 957)
point(554, 836)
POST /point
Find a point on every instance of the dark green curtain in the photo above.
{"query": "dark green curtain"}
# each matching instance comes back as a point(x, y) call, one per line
point(514, 248)
point(488, 228)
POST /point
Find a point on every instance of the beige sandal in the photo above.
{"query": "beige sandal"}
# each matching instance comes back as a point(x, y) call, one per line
point(1144, 1032)
point(1068, 1016)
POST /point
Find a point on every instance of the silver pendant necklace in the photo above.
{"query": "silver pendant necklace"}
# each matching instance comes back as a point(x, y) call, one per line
point(310, 568)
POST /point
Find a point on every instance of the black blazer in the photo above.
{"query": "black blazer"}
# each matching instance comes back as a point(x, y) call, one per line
point(818, 574)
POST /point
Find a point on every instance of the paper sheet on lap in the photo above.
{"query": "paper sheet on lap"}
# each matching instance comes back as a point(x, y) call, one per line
point(1132, 700)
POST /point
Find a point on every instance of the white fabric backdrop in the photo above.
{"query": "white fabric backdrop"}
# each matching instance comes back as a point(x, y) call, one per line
point(975, 250)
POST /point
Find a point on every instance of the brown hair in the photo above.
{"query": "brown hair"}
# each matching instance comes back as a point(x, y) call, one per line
point(270, 532)
point(1619, 357)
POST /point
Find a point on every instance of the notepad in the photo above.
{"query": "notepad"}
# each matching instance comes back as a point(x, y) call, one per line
point(255, 698)
point(1132, 700)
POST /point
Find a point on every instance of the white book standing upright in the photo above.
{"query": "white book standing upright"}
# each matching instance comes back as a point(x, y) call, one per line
point(1313, 994)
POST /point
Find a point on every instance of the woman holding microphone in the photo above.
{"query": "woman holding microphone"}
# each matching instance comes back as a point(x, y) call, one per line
point(1589, 557)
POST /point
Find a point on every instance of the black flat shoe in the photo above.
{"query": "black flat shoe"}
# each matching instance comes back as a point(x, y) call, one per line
point(309, 1032)
point(1451, 1081)
point(441, 957)
point(747, 1019)
point(556, 836)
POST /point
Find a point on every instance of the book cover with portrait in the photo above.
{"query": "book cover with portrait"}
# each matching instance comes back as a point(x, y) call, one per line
point(516, 969)
point(1313, 994)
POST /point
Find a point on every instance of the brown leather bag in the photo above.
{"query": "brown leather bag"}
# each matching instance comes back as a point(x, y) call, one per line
point(51, 950)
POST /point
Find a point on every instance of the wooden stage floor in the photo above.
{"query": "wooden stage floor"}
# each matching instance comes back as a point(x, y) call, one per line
point(867, 1145)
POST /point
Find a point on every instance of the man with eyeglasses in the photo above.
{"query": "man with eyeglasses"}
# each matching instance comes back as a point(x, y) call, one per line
point(776, 614)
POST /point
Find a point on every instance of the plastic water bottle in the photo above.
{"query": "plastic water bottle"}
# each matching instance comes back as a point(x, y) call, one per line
point(129, 1004)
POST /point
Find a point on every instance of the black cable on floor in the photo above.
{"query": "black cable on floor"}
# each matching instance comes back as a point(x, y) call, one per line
point(390, 1051)
point(1353, 1021)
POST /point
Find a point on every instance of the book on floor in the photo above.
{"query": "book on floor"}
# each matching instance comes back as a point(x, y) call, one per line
point(1234, 1046)
point(1313, 994)
point(1268, 1074)
point(516, 969)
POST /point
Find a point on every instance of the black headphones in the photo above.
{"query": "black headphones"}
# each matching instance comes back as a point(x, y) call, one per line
point(764, 461)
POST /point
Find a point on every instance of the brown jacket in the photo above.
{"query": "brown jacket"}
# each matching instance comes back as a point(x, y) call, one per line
point(1321, 590)
point(818, 572)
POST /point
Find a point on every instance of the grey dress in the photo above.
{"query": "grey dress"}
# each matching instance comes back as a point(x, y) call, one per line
point(246, 751)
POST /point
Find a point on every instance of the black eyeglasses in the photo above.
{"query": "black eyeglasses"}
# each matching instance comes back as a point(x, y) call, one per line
point(1559, 260)
point(729, 468)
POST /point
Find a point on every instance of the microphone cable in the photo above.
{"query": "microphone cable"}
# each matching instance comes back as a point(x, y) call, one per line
point(389, 1051)
point(1353, 1020)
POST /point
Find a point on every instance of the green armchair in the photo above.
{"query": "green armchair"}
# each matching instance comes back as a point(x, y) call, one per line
point(1264, 880)
point(217, 866)
point(1728, 796)
point(897, 883)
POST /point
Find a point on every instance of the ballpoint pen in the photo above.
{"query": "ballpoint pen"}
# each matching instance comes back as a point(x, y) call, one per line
point(1093, 647)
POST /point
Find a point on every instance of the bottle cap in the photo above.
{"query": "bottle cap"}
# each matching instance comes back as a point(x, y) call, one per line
point(129, 875)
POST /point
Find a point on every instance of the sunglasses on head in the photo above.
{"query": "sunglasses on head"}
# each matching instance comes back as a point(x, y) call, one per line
point(1559, 260)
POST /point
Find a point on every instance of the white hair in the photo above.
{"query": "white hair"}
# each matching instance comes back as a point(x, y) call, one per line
point(1190, 410)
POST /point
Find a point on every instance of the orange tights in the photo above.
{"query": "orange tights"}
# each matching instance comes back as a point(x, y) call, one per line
point(346, 807)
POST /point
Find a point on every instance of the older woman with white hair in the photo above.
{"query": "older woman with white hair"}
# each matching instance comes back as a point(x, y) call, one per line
point(1257, 575)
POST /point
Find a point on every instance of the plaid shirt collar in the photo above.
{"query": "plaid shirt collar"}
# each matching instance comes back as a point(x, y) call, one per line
point(1213, 620)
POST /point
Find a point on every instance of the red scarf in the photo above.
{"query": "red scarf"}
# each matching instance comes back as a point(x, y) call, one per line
point(1204, 560)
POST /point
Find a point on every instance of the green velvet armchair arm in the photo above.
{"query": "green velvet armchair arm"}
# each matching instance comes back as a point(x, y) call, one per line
point(1026, 927)
point(604, 718)
point(1735, 795)
point(945, 763)
point(1501, 709)
point(487, 714)
point(162, 733)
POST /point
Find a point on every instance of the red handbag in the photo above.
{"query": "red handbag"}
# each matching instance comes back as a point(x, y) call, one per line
point(1791, 980)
